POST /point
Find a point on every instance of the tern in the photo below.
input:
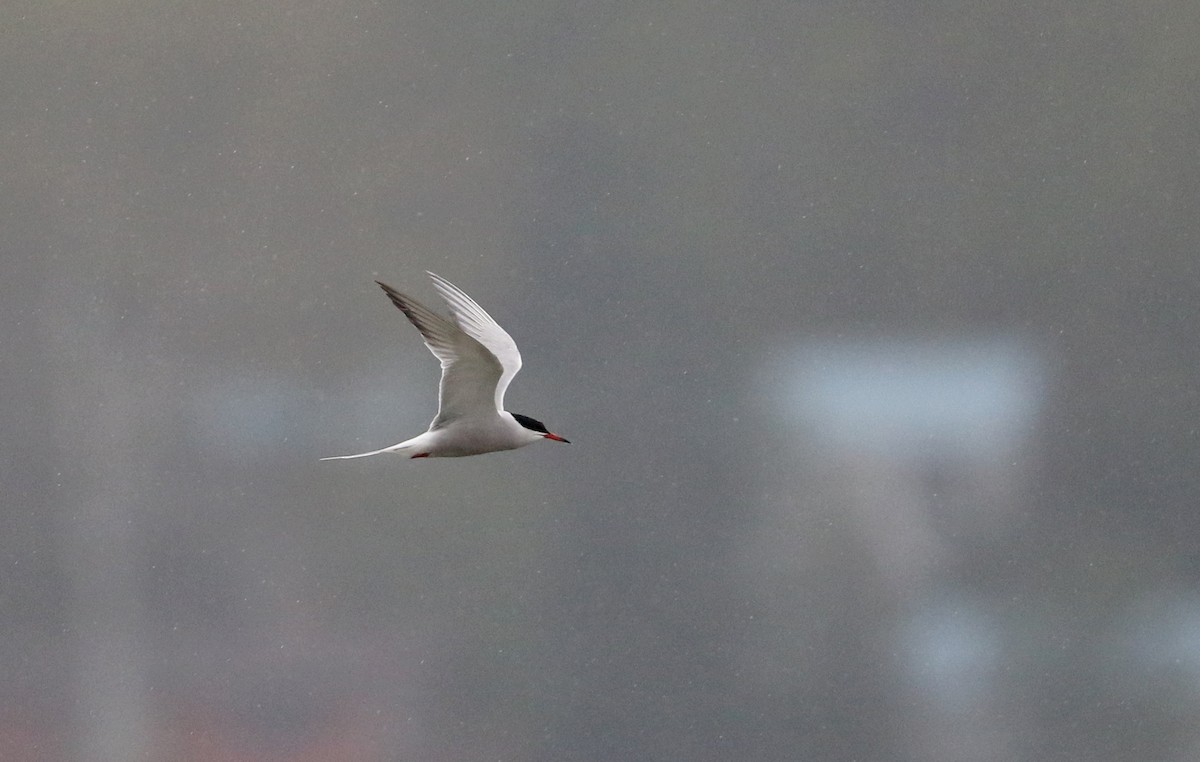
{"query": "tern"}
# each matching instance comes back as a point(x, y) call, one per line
point(479, 360)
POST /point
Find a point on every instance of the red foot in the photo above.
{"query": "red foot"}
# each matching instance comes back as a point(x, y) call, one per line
point(420, 455)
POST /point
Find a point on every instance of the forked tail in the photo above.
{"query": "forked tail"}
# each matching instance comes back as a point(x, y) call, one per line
point(402, 447)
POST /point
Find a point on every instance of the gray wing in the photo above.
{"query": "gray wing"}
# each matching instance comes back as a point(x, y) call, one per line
point(479, 325)
point(470, 371)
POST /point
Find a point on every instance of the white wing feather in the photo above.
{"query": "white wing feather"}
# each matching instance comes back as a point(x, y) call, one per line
point(479, 325)
point(478, 357)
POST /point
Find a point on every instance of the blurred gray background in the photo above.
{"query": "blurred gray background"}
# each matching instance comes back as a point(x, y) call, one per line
point(873, 325)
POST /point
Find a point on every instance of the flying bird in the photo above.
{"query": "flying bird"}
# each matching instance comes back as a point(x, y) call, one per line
point(479, 360)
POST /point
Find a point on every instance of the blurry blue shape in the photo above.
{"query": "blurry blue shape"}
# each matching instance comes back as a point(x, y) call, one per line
point(258, 414)
point(951, 650)
point(1166, 634)
point(247, 414)
point(885, 395)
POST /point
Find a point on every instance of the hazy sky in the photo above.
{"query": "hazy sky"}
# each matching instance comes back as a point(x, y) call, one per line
point(675, 208)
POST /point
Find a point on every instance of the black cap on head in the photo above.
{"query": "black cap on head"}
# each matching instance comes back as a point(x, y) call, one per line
point(531, 423)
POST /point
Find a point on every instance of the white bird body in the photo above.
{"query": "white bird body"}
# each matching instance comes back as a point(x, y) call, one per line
point(479, 360)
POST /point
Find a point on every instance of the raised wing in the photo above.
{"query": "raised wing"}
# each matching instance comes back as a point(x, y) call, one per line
point(479, 325)
point(470, 371)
